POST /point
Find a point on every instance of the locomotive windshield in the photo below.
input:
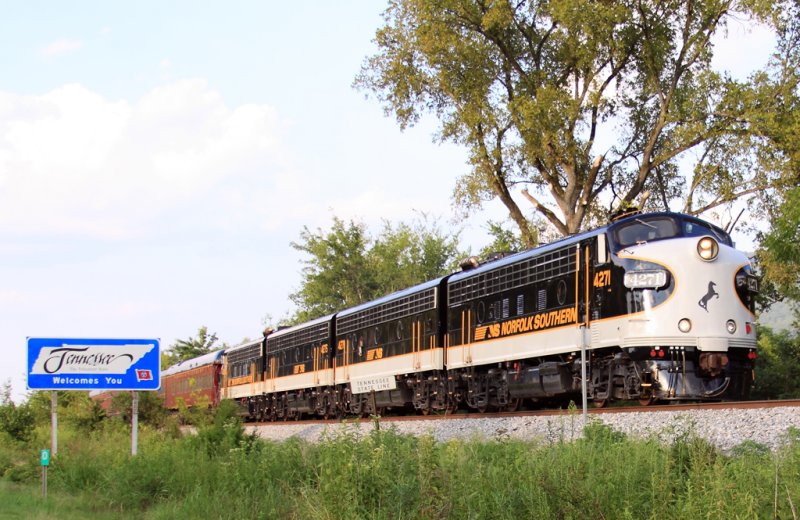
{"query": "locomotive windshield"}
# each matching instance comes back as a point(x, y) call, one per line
point(659, 227)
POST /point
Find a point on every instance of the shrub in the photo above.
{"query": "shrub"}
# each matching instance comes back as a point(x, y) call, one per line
point(17, 421)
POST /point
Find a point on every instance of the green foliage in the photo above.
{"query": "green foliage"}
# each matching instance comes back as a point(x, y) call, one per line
point(503, 240)
point(595, 432)
point(346, 266)
point(406, 255)
point(189, 348)
point(199, 414)
point(25, 501)
point(222, 473)
point(750, 448)
point(150, 410)
point(580, 102)
point(777, 366)
point(336, 275)
point(225, 432)
point(779, 256)
point(15, 421)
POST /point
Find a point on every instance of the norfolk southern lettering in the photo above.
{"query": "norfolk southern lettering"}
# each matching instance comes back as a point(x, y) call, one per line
point(88, 362)
point(541, 321)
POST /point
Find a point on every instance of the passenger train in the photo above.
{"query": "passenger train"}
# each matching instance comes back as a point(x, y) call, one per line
point(661, 303)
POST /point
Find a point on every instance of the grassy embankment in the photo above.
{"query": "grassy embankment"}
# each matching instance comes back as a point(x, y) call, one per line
point(221, 473)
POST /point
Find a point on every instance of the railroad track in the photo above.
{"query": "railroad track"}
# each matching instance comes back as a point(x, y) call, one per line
point(675, 407)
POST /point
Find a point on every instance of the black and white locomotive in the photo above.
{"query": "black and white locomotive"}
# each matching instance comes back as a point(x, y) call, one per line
point(661, 303)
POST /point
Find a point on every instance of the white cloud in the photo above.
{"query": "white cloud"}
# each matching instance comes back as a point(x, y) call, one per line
point(75, 163)
point(61, 47)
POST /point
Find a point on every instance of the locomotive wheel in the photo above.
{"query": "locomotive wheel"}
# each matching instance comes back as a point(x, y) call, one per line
point(600, 403)
point(647, 401)
point(483, 408)
point(513, 405)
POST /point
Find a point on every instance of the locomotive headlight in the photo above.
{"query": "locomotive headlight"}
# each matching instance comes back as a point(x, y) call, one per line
point(649, 279)
point(707, 248)
point(685, 325)
point(731, 326)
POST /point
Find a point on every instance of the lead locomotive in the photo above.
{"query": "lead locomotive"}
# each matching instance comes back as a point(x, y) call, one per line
point(662, 303)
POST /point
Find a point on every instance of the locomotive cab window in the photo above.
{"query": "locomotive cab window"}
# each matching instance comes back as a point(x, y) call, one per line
point(643, 230)
point(698, 228)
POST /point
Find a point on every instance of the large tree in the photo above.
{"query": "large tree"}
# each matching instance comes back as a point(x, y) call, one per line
point(189, 348)
point(345, 266)
point(779, 256)
point(580, 106)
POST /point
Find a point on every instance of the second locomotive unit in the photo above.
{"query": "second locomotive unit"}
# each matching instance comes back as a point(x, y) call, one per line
point(662, 302)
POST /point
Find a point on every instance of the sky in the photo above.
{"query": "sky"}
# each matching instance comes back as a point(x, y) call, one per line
point(158, 158)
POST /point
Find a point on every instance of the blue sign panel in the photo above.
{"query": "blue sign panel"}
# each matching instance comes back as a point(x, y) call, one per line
point(94, 364)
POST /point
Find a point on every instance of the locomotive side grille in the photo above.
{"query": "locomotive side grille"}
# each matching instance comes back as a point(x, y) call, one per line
point(299, 338)
point(245, 354)
point(390, 311)
point(550, 265)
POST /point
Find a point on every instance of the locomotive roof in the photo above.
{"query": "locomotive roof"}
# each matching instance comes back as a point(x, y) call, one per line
point(294, 328)
point(199, 361)
point(391, 297)
point(536, 251)
point(243, 345)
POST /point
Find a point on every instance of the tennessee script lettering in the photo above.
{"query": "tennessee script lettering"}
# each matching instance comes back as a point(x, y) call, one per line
point(61, 357)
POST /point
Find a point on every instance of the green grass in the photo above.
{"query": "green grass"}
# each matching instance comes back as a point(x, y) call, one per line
point(26, 502)
point(222, 473)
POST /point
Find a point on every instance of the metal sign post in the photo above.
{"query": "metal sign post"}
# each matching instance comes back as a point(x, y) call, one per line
point(54, 422)
point(134, 422)
point(584, 393)
point(375, 417)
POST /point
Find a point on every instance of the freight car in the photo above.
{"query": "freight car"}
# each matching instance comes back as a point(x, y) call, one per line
point(662, 302)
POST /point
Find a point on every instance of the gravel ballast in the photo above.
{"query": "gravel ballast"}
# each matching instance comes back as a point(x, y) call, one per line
point(724, 428)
